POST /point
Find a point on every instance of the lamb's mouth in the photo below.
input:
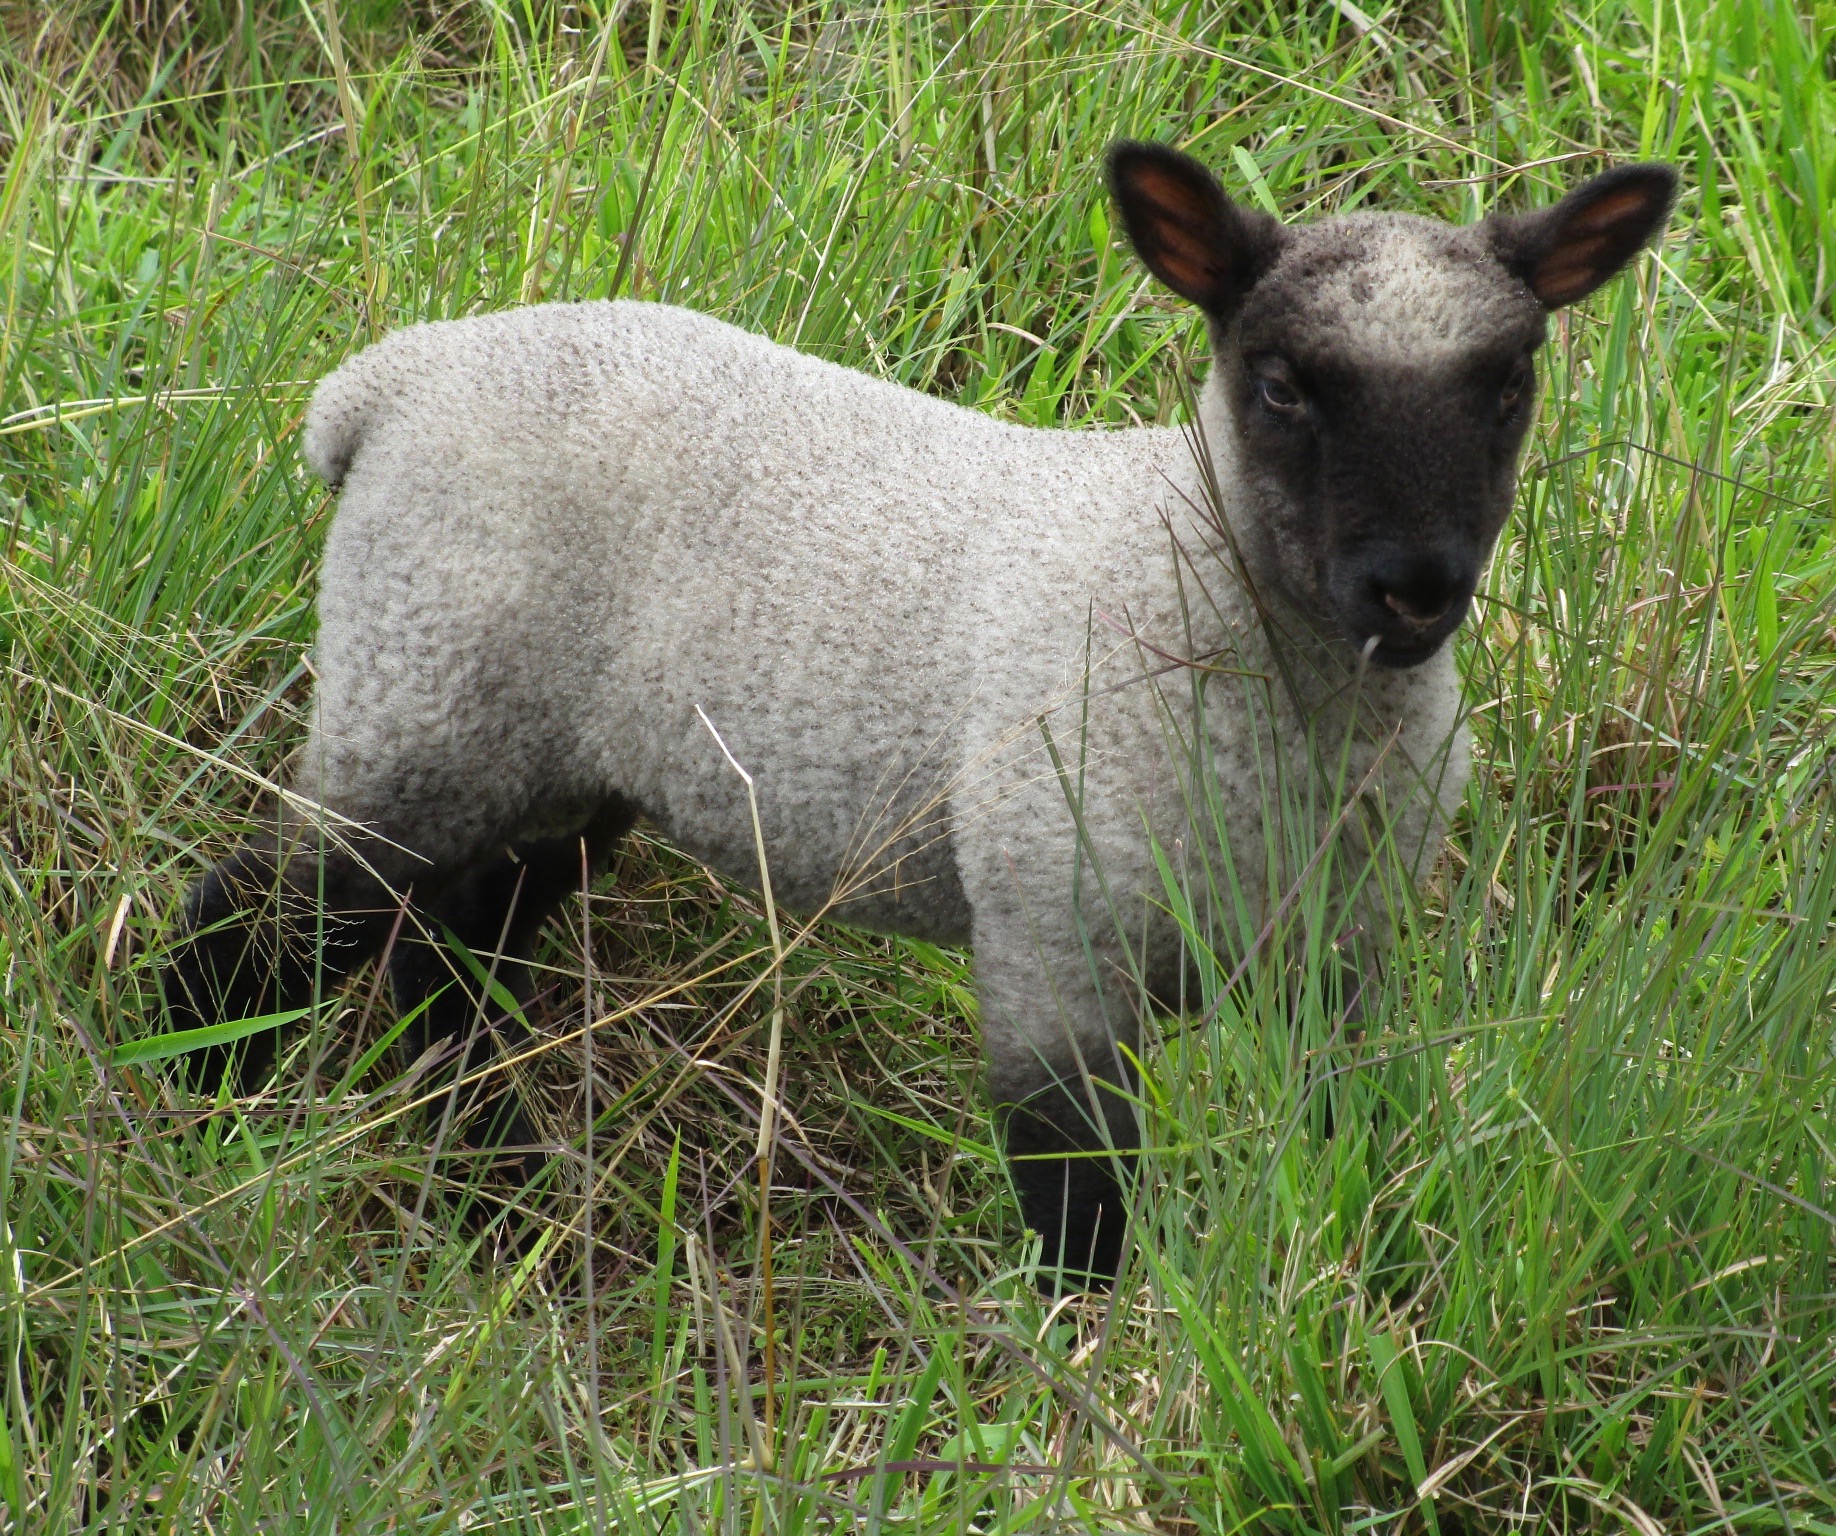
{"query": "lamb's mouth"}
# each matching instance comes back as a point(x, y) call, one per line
point(1397, 655)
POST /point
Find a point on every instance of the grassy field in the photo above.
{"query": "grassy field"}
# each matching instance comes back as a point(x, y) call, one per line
point(1566, 1264)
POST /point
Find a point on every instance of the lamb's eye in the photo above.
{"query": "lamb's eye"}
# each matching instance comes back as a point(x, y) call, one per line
point(1277, 394)
point(1516, 386)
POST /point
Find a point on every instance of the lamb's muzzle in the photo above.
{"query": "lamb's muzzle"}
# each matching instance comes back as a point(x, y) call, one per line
point(565, 529)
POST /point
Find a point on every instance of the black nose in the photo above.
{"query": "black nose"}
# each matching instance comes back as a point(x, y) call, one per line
point(1411, 590)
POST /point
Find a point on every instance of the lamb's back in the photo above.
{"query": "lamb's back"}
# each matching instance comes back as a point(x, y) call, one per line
point(611, 516)
point(657, 466)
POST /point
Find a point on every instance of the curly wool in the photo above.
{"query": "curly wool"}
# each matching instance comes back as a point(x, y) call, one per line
point(565, 530)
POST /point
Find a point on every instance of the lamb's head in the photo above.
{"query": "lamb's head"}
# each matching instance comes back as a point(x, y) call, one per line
point(1379, 378)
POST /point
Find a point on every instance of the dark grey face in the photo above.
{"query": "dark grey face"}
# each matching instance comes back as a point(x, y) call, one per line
point(1379, 369)
point(1381, 379)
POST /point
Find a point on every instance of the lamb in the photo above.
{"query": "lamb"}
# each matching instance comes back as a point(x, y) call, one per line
point(973, 667)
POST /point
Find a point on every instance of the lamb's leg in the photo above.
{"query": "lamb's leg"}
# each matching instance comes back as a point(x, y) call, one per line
point(1060, 1085)
point(287, 913)
point(378, 816)
point(1069, 1142)
point(496, 909)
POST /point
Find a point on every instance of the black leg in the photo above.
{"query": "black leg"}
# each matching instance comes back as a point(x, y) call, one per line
point(261, 932)
point(495, 910)
point(1065, 1169)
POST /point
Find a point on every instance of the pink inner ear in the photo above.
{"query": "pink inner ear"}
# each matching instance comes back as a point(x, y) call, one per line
point(1603, 215)
point(1575, 256)
point(1178, 218)
point(1183, 270)
point(1562, 283)
point(1569, 271)
point(1184, 263)
point(1169, 193)
point(1589, 247)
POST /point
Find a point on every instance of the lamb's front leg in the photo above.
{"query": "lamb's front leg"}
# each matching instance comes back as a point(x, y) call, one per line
point(1061, 1087)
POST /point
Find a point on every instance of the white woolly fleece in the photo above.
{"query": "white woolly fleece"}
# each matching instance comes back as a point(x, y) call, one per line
point(565, 527)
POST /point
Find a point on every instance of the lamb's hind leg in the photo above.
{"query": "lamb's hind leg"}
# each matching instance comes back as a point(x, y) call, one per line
point(378, 816)
point(495, 910)
point(287, 914)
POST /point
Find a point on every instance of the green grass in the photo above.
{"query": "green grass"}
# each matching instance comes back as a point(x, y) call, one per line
point(1567, 1262)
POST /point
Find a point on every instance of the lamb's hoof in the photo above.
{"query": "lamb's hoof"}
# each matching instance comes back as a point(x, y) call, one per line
point(1080, 1211)
point(503, 1159)
point(194, 994)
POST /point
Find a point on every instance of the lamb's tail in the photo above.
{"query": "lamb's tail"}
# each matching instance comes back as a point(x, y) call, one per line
point(338, 420)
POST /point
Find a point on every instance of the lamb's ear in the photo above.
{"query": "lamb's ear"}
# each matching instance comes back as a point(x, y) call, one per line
point(1189, 234)
point(1566, 251)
